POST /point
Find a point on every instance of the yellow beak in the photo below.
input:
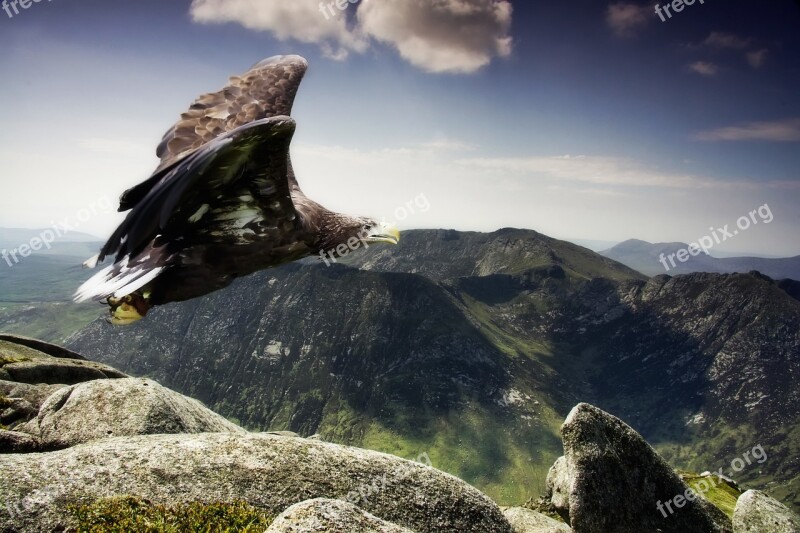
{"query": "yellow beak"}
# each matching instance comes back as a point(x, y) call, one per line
point(384, 234)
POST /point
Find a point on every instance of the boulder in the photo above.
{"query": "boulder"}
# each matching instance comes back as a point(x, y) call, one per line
point(331, 516)
point(757, 513)
point(611, 480)
point(20, 402)
point(16, 442)
point(21, 363)
point(46, 348)
point(118, 407)
point(267, 471)
point(527, 521)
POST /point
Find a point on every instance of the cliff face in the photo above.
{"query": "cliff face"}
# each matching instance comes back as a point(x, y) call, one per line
point(473, 347)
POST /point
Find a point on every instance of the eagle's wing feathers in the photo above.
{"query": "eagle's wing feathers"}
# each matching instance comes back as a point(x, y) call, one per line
point(237, 179)
point(266, 90)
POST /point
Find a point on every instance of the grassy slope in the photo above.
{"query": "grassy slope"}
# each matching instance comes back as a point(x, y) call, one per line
point(35, 298)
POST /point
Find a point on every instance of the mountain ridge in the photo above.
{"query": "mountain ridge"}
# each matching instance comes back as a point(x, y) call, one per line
point(653, 259)
point(474, 346)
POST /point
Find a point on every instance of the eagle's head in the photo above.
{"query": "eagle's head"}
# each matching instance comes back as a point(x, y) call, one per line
point(373, 232)
point(344, 234)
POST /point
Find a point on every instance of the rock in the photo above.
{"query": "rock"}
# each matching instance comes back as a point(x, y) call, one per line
point(119, 407)
point(611, 480)
point(16, 442)
point(283, 433)
point(52, 350)
point(22, 401)
point(331, 516)
point(758, 513)
point(526, 521)
point(558, 484)
point(21, 363)
point(267, 471)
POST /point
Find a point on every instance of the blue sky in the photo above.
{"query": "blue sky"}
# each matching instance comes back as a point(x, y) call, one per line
point(579, 119)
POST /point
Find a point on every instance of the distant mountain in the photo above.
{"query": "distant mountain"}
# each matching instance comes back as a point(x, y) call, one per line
point(593, 244)
point(473, 347)
point(72, 243)
point(647, 258)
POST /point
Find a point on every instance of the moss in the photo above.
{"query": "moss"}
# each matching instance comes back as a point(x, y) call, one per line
point(721, 494)
point(543, 506)
point(130, 514)
point(7, 360)
point(5, 402)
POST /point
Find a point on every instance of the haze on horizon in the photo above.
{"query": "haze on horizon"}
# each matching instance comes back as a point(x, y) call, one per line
point(580, 120)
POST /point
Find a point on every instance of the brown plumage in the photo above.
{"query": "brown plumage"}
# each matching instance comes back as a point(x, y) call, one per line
point(224, 201)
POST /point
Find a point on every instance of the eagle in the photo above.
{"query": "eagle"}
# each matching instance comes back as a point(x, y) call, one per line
point(223, 203)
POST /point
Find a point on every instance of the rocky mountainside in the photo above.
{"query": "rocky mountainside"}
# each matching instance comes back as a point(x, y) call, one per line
point(90, 449)
point(473, 347)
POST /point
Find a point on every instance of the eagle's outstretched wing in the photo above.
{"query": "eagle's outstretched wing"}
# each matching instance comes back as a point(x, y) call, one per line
point(266, 90)
point(231, 191)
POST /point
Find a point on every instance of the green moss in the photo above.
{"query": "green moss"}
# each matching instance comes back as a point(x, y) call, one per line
point(545, 507)
point(7, 360)
point(129, 514)
point(5, 402)
point(721, 494)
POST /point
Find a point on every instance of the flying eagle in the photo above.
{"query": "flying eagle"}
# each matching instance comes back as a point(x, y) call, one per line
point(223, 203)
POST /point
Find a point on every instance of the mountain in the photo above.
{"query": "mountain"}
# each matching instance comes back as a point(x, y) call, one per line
point(649, 259)
point(473, 347)
point(71, 243)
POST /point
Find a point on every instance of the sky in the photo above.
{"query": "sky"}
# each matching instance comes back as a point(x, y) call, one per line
point(580, 119)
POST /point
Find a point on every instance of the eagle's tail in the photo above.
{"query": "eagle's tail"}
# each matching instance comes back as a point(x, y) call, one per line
point(123, 286)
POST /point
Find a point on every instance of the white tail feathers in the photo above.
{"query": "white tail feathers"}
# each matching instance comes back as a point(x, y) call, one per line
point(91, 262)
point(118, 280)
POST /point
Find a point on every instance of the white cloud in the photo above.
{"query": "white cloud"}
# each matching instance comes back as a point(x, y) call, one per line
point(787, 130)
point(721, 40)
point(457, 36)
point(704, 68)
point(597, 170)
point(301, 20)
point(626, 19)
point(757, 58)
point(447, 144)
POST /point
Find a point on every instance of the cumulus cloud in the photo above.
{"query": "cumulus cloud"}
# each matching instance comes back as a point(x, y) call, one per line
point(625, 19)
point(301, 20)
point(704, 68)
point(787, 130)
point(458, 36)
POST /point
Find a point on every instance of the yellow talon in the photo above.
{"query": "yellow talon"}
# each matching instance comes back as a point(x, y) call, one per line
point(128, 309)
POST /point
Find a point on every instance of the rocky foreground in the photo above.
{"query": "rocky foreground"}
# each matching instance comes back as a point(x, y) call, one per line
point(77, 434)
